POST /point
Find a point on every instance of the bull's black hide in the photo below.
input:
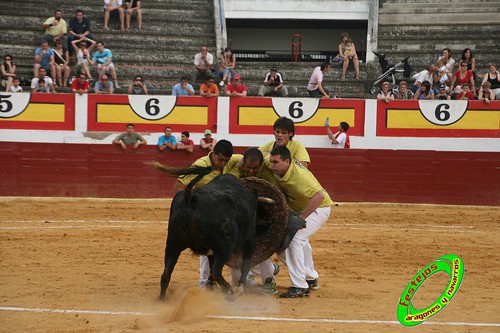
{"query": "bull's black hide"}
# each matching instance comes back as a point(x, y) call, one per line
point(220, 217)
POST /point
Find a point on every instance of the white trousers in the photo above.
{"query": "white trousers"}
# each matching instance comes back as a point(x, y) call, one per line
point(265, 269)
point(204, 269)
point(298, 255)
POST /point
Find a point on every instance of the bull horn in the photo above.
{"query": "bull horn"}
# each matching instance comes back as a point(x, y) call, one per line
point(265, 200)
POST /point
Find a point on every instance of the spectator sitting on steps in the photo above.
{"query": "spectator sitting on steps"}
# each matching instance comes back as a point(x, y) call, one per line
point(48, 83)
point(8, 70)
point(103, 58)
point(315, 85)
point(348, 51)
point(183, 88)
point(203, 63)
point(55, 28)
point(83, 55)
point(236, 89)
point(131, 6)
point(104, 86)
point(113, 8)
point(273, 83)
point(44, 57)
point(61, 58)
point(227, 65)
point(79, 29)
point(209, 88)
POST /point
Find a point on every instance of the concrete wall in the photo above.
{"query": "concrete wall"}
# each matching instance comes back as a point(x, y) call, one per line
point(39, 169)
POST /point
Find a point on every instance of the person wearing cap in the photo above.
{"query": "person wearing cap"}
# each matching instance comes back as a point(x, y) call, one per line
point(273, 84)
point(207, 142)
point(183, 88)
point(404, 93)
point(236, 89)
point(385, 93)
point(443, 93)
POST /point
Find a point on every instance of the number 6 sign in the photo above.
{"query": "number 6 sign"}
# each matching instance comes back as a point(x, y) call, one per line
point(443, 113)
point(152, 107)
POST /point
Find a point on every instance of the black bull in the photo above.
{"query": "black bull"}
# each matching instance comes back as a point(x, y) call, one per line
point(222, 217)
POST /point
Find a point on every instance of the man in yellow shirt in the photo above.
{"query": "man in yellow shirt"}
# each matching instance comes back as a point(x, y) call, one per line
point(218, 158)
point(55, 28)
point(304, 194)
point(284, 131)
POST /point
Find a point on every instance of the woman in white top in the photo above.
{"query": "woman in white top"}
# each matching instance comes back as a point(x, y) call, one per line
point(83, 55)
point(385, 94)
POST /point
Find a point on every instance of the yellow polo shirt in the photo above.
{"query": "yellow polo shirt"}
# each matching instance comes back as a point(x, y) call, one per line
point(201, 162)
point(299, 186)
point(233, 167)
point(297, 150)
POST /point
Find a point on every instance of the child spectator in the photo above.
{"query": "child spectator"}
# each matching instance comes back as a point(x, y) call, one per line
point(340, 139)
point(485, 93)
point(185, 143)
point(8, 70)
point(39, 87)
point(207, 142)
point(15, 87)
point(465, 94)
point(443, 93)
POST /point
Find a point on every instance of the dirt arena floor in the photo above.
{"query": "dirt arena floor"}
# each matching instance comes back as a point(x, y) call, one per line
point(85, 265)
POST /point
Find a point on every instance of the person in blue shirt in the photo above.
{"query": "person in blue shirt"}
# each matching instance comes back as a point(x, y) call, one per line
point(167, 140)
point(183, 88)
point(103, 58)
point(44, 57)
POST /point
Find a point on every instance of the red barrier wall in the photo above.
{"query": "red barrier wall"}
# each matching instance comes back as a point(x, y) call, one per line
point(78, 170)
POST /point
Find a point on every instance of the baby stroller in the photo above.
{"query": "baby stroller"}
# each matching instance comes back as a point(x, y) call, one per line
point(388, 72)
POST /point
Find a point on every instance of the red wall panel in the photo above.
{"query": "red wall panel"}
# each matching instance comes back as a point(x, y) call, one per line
point(40, 169)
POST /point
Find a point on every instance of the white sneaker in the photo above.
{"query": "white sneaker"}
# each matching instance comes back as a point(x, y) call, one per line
point(221, 83)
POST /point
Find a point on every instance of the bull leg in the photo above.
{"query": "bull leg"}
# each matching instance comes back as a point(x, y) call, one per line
point(246, 256)
point(171, 257)
point(216, 272)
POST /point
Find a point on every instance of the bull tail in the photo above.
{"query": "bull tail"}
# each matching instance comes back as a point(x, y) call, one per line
point(192, 170)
